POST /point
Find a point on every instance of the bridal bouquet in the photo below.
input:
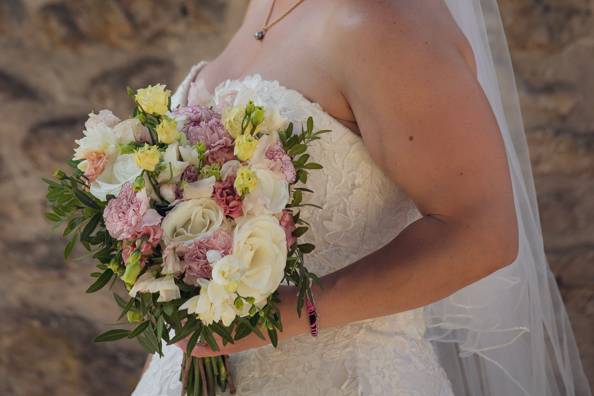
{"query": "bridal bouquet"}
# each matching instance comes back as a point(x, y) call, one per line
point(195, 210)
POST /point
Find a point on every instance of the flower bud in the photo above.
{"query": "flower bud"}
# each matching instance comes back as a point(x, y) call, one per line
point(245, 180)
point(257, 117)
point(134, 316)
point(245, 146)
point(133, 267)
point(138, 183)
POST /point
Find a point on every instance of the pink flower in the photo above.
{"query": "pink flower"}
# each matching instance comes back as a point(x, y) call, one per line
point(286, 221)
point(225, 195)
point(220, 155)
point(190, 174)
point(195, 263)
point(281, 161)
point(203, 124)
point(96, 162)
point(152, 236)
point(129, 213)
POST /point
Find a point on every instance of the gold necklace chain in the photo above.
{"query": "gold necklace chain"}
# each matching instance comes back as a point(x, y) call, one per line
point(260, 34)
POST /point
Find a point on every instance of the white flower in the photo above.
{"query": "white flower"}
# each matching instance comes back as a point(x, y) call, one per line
point(165, 286)
point(228, 271)
point(273, 121)
point(271, 194)
point(229, 168)
point(171, 261)
point(115, 175)
point(173, 167)
point(130, 130)
point(99, 138)
point(189, 154)
point(192, 219)
point(104, 117)
point(213, 304)
point(259, 244)
point(200, 189)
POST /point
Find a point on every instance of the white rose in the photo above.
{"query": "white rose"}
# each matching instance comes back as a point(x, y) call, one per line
point(259, 243)
point(271, 194)
point(213, 304)
point(192, 219)
point(115, 175)
point(165, 286)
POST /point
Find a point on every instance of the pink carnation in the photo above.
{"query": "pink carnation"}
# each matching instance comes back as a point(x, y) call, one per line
point(129, 213)
point(204, 125)
point(195, 264)
point(286, 221)
point(220, 155)
point(152, 236)
point(281, 161)
point(190, 174)
point(225, 195)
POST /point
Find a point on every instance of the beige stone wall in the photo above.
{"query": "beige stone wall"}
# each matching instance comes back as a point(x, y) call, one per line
point(61, 58)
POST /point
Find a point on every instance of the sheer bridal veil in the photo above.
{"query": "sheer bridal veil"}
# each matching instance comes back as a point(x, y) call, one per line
point(507, 334)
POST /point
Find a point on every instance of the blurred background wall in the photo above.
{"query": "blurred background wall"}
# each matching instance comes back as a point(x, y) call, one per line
point(61, 58)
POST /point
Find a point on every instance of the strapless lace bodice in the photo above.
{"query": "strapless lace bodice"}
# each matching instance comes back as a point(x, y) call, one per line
point(363, 210)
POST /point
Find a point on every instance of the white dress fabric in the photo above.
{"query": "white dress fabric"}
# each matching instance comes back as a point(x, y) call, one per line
point(363, 210)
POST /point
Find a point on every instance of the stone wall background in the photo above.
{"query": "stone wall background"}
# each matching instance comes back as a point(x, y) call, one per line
point(61, 58)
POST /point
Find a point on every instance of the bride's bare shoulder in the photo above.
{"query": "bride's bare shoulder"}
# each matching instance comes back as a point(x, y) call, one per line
point(378, 30)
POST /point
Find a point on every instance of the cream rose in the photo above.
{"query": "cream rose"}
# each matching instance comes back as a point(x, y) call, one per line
point(259, 244)
point(192, 219)
point(271, 194)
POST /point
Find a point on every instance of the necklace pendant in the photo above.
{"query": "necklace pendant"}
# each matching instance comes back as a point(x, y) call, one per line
point(260, 35)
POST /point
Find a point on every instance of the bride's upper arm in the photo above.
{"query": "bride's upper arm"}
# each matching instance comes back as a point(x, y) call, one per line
point(422, 113)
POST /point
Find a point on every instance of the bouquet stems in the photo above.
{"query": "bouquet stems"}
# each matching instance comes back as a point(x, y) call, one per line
point(203, 376)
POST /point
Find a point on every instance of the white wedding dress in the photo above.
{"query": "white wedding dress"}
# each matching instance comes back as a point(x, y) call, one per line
point(363, 210)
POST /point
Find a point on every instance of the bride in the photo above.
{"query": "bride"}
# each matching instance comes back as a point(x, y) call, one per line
point(434, 277)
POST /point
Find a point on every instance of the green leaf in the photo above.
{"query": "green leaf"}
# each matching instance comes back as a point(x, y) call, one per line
point(207, 335)
point(192, 342)
point(313, 165)
point(306, 247)
point(309, 124)
point(69, 247)
point(297, 198)
point(299, 231)
point(120, 301)
point(101, 281)
point(112, 335)
point(52, 217)
point(222, 331)
point(297, 149)
point(272, 334)
point(139, 329)
point(90, 227)
point(160, 327)
point(127, 308)
point(85, 199)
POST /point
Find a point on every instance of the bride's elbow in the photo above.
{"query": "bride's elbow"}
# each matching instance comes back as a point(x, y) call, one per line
point(503, 248)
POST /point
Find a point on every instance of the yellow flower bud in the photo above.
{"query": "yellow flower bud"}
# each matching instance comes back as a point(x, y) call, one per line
point(232, 119)
point(153, 99)
point(167, 131)
point(245, 180)
point(245, 145)
point(134, 316)
point(147, 157)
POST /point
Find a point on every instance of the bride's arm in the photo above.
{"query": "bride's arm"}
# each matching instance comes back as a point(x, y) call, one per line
point(426, 122)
